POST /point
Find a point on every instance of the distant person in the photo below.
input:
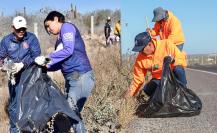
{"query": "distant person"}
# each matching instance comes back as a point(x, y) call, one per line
point(22, 48)
point(70, 56)
point(167, 26)
point(117, 30)
point(107, 30)
point(150, 58)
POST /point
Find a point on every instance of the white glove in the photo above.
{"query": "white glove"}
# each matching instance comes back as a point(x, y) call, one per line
point(42, 60)
point(17, 67)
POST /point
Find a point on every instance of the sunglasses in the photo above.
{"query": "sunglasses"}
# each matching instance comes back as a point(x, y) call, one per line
point(20, 29)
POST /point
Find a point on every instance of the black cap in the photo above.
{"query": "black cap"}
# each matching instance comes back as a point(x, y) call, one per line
point(141, 41)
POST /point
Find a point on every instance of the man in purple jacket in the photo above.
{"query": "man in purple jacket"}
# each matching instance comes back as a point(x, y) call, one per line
point(69, 56)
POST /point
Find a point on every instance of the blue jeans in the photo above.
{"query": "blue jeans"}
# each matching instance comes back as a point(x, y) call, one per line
point(78, 87)
point(179, 74)
point(12, 107)
point(151, 86)
point(180, 46)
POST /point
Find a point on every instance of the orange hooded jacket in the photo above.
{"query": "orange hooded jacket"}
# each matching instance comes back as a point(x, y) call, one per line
point(170, 29)
point(154, 63)
point(117, 29)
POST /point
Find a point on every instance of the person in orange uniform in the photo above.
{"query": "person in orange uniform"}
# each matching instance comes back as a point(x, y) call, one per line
point(150, 58)
point(167, 26)
point(117, 30)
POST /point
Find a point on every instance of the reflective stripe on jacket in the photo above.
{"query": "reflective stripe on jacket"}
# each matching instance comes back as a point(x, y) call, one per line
point(171, 29)
point(154, 63)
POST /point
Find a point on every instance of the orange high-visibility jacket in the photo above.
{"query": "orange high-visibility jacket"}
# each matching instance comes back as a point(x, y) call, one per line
point(154, 63)
point(171, 29)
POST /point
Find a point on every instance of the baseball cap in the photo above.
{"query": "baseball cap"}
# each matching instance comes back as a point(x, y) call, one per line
point(19, 22)
point(108, 18)
point(159, 14)
point(141, 41)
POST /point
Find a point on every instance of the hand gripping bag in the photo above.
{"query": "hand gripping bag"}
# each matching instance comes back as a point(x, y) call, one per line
point(38, 100)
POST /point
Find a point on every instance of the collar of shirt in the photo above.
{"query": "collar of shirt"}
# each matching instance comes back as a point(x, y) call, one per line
point(13, 37)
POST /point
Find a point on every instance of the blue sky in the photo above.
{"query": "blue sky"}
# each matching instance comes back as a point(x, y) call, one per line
point(10, 6)
point(198, 18)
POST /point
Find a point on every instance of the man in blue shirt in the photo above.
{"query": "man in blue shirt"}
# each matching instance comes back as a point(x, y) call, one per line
point(21, 47)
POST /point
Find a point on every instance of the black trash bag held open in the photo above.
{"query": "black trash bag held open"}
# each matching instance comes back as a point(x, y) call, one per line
point(38, 100)
point(172, 99)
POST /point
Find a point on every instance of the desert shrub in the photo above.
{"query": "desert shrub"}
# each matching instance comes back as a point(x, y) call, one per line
point(3, 103)
point(106, 110)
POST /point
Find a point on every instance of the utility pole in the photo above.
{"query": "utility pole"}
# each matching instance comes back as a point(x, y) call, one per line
point(24, 11)
point(120, 52)
point(215, 58)
point(72, 8)
point(72, 11)
point(202, 60)
point(75, 12)
point(92, 27)
point(36, 29)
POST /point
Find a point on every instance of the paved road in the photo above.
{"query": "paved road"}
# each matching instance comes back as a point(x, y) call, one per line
point(210, 68)
point(205, 86)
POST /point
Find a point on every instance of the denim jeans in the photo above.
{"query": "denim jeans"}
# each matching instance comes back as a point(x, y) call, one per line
point(12, 107)
point(78, 87)
point(180, 46)
point(179, 74)
point(151, 86)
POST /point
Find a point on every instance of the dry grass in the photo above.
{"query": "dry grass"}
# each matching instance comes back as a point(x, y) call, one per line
point(4, 127)
point(127, 110)
point(106, 110)
point(3, 103)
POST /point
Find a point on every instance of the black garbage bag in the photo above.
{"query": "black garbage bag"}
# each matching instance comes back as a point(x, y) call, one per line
point(172, 99)
point(38, 100)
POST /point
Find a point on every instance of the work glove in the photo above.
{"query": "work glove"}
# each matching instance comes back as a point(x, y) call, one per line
point(42, 60)
point(17, 67)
